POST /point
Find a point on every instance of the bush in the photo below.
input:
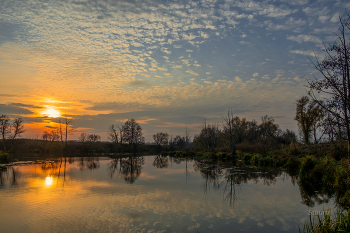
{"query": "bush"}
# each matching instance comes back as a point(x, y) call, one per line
point(294, 148)
point(247, 158)
point(4, 157)
point(256, 159)
point(265, 162)
point(293, 163)
point(221, 155)
point(306, 166)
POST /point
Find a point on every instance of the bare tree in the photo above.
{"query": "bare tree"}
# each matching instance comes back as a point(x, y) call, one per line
point(60, 129)
point(46, 135)
point(83, 137)
point(132, 133)
point(208, 137)
point(18, 128)
point(67, 127)
point(161, 138)
point(187, 137)
point(179, 141)
point(230, 130)
point(53, 135)
point(268, 129)
point(334, 83)
point(5, 127)
point(113, 134)
point(308, 114)
point(93, 138)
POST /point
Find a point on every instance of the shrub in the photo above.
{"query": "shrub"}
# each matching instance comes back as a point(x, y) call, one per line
point(255, 160)
point(4, 157)
point(221, 155)
point(292, 163)
point(265, 161)
point(247, 158)
point(306, 166)
point(294, 148)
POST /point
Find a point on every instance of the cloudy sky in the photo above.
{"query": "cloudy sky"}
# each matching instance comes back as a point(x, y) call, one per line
point(167, 64)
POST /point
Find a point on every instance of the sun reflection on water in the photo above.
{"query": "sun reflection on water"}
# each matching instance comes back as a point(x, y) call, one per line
point(48, 181)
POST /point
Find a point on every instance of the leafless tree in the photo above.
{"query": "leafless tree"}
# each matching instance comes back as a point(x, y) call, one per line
point(179, 141)
point(132, 133)
point(67, 127)
point(230, 130)
point(93, 138)
point(5, 127)
point(268, 129)
point(334, 83)
point(161, 138)
point(18, 128)
point(83, 137)
point(46, 135)
point(60, 129)
point(113, 134)
point(308, 114)
point(187, 137)
point(53, 135)
point(208, 137)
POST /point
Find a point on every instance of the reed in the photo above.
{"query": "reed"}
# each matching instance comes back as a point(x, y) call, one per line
point(339, 223)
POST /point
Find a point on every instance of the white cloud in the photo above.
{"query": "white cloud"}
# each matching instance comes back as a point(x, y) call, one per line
point(308, 53)
point(192, 72)
point(305, 38)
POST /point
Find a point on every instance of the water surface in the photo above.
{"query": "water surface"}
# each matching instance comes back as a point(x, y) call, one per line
point(151, 194)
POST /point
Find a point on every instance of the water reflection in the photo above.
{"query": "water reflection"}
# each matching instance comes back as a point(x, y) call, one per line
point(215, 197)
point(129, 168)
point(161, 161)
point(88, 163)
point(49, 181)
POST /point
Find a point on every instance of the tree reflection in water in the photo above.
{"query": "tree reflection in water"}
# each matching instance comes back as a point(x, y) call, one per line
point(161, 161)
point(225, 177)
point(315, 193)
point(129, 168)
point(89, 163)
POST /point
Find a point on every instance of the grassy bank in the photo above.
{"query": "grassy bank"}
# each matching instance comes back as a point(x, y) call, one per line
point(328, 224)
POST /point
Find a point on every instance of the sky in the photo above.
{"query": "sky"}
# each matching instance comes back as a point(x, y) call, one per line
point(167, 64)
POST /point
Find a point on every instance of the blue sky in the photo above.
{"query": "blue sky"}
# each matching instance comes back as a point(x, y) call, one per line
point(168, 64)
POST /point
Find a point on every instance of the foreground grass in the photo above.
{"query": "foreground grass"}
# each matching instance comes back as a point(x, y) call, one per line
point(339, 223)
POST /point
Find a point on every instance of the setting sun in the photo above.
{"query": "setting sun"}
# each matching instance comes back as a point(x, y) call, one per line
point(51, 112)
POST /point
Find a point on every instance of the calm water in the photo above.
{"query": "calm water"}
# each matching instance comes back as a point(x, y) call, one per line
point(150, 194)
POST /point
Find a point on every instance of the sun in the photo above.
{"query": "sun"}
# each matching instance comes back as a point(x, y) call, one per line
point(51, 112)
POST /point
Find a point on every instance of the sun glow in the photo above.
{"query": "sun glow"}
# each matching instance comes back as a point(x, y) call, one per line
point(48, 181)
point(51, 112)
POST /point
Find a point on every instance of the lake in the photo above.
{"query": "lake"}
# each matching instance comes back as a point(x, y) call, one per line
point(151, 194)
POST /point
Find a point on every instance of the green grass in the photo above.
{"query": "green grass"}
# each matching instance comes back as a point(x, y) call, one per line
point(317, 224)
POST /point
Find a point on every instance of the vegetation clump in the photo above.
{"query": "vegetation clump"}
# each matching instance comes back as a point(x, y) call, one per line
point(328, 224)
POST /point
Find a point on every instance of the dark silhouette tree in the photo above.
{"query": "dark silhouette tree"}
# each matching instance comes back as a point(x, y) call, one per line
point(113, 134)
point(334, 82)
point(132, 133)
point(5, 127)
point(161, 138)
point(18, 128)
point(93, 138)
point(308, 114)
